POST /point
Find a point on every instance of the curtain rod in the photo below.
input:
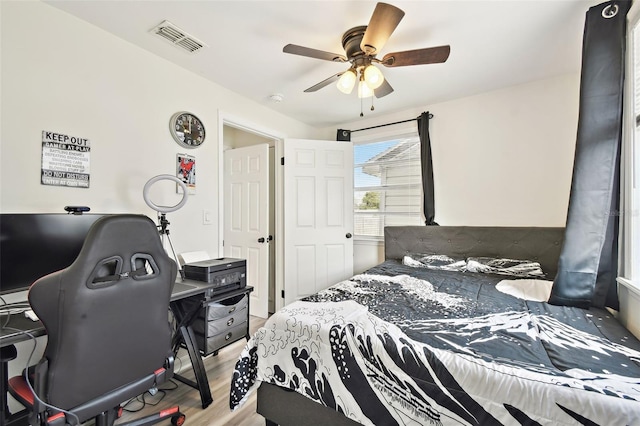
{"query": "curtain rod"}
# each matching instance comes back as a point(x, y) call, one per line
point(390, 124)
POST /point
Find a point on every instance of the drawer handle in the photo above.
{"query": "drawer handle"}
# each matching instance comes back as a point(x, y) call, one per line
point(232, 309)
point(228, 336)
point(230, 322)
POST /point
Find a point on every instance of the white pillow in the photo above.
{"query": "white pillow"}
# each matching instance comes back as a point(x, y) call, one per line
point(527, 289)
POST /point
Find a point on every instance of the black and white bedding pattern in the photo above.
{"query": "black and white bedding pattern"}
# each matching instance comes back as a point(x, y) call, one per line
point(398, 345)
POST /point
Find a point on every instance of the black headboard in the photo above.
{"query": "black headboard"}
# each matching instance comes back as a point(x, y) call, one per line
point(540, 244)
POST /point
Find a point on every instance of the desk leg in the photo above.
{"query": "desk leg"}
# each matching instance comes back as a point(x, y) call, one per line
point(8, 353)
point(198, 367)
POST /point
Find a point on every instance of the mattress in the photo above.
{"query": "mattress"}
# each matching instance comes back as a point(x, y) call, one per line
point(407, 345)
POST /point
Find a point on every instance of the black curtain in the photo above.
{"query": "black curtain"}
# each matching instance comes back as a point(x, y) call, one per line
point(587, 267)
point(429, 206)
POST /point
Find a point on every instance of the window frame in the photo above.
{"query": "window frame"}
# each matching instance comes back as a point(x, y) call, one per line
point(629, 264)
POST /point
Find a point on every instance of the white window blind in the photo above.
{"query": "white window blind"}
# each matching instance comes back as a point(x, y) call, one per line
point(387, 185)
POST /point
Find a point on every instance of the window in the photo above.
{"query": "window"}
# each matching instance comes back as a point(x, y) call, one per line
point(387, 185)
point(630, 204)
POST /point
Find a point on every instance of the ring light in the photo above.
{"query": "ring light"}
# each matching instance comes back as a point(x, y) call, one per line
point(163, 223)
point(164, 209)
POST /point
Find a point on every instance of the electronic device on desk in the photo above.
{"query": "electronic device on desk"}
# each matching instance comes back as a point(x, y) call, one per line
point(77, 210)
point(35, 244)
point(225, 273)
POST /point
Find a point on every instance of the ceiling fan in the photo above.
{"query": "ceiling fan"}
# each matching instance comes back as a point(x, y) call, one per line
point(361, 45)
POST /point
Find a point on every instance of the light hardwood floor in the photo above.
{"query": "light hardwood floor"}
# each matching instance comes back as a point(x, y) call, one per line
point(219, 371)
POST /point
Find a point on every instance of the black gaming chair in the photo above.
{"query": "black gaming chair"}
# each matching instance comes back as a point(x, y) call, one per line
point(106, 317)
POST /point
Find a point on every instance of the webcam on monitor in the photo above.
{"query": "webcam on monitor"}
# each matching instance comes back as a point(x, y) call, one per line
point(76, 209)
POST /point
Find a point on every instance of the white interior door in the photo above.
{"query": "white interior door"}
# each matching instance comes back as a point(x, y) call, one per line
point(246, 218)
point(318, 215)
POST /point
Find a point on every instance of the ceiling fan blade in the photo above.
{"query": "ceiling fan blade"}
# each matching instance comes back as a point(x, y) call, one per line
point(324, 83)
point(383, 22)
point(313, 53)
point(383, 90)
point(430, 55)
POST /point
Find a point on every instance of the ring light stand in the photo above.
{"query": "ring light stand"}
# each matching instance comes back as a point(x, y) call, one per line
point(162, 211)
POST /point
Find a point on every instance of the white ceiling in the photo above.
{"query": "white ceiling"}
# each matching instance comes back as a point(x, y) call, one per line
point(494, 44)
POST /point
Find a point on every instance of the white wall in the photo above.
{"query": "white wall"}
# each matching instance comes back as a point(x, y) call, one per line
point(64, 75)
point(238, 138)
point(61, 74)
point(500, 158)
point(503, 157)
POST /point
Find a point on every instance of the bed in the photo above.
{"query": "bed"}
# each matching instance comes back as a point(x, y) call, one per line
point(431, 344)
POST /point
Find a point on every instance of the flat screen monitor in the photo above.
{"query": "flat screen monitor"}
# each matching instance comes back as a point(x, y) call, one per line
point(34, 245)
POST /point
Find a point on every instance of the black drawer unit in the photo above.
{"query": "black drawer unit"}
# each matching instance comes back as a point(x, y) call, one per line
point(221, 323)
point(221, 320)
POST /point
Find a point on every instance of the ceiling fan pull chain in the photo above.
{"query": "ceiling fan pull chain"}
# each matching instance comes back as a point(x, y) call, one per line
point(372, 108)
point(361, 113)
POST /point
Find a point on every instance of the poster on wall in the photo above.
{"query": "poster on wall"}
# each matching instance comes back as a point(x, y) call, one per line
point(186, 172)
point(65, 160)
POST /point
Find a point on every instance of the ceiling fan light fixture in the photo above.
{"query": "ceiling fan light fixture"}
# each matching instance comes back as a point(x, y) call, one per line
point(373, 77)
point(364, 91)
point(347, 81)
point(361, 44)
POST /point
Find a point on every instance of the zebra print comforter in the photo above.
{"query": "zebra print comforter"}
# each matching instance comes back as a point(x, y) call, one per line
point(407, 346)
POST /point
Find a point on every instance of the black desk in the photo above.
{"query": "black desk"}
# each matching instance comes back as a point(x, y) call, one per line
point(21, 324)
point(14, 332)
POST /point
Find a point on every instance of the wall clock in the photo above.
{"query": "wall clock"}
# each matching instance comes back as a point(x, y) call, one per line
point(187, 129)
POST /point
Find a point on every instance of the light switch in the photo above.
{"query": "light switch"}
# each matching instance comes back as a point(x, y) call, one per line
point(207, 217)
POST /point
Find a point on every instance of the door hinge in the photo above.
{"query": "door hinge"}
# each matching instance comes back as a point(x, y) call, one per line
point(282, 294)
point(282, 161)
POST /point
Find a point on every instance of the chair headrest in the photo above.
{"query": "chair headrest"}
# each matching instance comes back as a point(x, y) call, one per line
point(120, 246)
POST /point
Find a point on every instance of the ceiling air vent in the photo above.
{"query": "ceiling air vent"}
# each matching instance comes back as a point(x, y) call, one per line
point(177, 37)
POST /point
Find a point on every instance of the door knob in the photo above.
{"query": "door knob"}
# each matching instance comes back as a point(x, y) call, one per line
point(349, 235)
point(261, 240)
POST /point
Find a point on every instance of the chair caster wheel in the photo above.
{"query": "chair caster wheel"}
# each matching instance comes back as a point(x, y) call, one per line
point(178, 420)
